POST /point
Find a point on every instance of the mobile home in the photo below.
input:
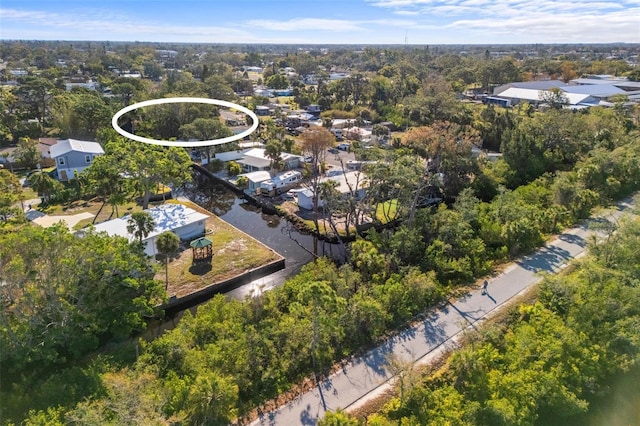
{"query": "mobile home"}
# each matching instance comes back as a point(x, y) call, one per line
point(281, 183)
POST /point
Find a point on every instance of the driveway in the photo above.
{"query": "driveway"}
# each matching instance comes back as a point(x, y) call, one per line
point(439, 331)
point(337, 160)
point(70, 220)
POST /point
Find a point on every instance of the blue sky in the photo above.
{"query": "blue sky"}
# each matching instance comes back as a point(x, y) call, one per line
point(324, 21)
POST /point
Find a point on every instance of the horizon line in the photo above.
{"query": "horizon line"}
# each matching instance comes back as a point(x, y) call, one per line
point(319, 44)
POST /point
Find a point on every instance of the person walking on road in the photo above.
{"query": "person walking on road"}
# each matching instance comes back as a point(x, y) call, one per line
point(485, 284)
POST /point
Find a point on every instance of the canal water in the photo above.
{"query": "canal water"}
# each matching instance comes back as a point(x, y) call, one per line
point(273, 231)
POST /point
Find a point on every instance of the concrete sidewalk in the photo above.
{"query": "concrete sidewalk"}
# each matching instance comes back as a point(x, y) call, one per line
point(438, 332)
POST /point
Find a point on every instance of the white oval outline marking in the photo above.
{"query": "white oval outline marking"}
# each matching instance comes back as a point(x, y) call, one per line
point(184, 144)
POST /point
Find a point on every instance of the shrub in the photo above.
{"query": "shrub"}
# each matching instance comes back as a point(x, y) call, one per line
point(234, 168)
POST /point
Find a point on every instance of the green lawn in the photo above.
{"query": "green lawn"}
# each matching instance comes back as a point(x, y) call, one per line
point(389, 207)
point(29, 193)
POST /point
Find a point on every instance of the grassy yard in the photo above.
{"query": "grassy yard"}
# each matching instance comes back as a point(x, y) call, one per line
point(234, 253)
point(90, 206)
point(386, 210)
point(28, 193)
point(254, 76)
point(389, 207)
point(95, 207)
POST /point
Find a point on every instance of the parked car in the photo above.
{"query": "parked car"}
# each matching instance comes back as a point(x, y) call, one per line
point(344, 147)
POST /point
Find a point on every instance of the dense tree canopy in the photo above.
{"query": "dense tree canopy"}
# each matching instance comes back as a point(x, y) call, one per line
point(448, 149)
point(63, 295)
point(147, 165)
point(10, 194)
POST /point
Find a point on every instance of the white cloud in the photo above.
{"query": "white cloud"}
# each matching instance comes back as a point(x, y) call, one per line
point(556, 28)
point(501, 7)
point(334, 25)
point(97, 25)
point(389, 23)
point(525, 20)
point(306, 24)
point(407, 12)
point(399, 3)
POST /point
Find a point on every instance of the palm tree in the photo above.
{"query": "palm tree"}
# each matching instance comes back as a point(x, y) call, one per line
point(44, 185)
point(140, 224)
point(167, 243)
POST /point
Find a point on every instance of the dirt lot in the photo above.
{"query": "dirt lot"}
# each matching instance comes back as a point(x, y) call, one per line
point(234, 253)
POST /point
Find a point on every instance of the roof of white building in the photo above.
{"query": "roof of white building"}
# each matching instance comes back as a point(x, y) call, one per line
point(260, 153)
point(599, 79)
point(519, 93)
point(536, 96)
point(68, 145)
point(252, 161)
point(601, 90)
point(363, 133)
point(581, 99)
point(257, 177)
point(532, 85)
point(348, 181)
point(167, 217)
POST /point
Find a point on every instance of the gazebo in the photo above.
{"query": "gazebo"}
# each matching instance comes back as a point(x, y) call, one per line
point(202, 249)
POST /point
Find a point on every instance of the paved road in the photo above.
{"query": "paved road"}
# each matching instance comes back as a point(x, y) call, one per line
point(439, 331)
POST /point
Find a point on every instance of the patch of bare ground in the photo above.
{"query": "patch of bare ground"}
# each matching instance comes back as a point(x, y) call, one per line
point(234, 253)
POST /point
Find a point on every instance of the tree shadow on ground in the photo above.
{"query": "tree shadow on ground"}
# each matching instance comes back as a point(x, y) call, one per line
point(546, 260)
point(306, 418)
point(434, 333)
point(573, 239)
point(377, 359)
point(200, 268)
point(470, 316)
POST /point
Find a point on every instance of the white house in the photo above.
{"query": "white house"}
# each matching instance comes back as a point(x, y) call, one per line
point(227, 156)
point(166, 54)
point(249, 68)
point(346, 183)
point(255, 159)
point(357, 134)
point(255, 179)
point(73, 156)
point(88, 84)
point(185, 222)
point(262, 110)
point(7, 155)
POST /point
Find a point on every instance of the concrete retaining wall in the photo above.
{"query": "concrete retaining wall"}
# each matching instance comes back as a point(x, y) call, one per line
point(177, 304)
